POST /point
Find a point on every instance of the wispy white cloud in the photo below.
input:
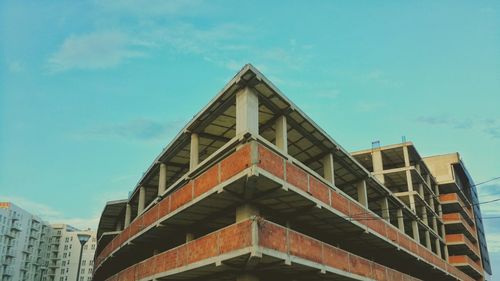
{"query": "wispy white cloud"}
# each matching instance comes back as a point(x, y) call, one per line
point(16, 67)
point(52, 215)
point(488, 126)
point(97, 50)
point(139, 129)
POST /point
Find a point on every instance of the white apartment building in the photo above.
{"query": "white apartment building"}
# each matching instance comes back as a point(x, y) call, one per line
point(65, 254)
point(23, 244)
point(33, 250)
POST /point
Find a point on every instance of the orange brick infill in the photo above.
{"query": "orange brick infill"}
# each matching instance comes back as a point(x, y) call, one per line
point(208, 246)
point(219, 172)
point(352, 210)
point(286, 241)
point(465, 260)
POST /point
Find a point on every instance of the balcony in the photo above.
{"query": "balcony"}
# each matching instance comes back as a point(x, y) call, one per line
point(456, 224)
point(459, 244)
point(10, 253)
point(16, 226)
point(452, 203)
point(8, 271)
point(467, 265)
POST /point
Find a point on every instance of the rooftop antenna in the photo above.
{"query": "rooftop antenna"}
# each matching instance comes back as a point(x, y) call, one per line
point(403, 139)
point(375, 144)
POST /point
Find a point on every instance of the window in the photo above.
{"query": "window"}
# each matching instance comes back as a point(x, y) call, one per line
point(83, 262)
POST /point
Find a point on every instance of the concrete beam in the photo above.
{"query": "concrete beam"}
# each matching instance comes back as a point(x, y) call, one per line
point(328, 168)
point(362, 193)
point(194, 151)
point(128, 215)
point(142, 200)
point(246, 211)
point(401, 221)
point(281, 130)
point(162, 182)
point(384, 206)
point(378, 164)
point(247, 112)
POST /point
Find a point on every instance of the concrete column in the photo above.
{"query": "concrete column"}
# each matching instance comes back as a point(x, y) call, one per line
point(245, 211)
point(328, 168)
point(142, 200)
point(194, 151)
point(247, 277)
point(281, 134)
point(416, 234)
point(443, 231)
point(128, 215)
point(401, 221)
point(362, 193)
point(406, 156)
point(446, 255)
point(424, 215)
point(428, 179)
point(409, 183)
point(247, 112)
point(118, 226)
point(438, 248)
point(189, 237)
point(421, 190)
point(378, 164)
point(428, 240)
point(162, 182)
point(384, 206)
point(417, 167)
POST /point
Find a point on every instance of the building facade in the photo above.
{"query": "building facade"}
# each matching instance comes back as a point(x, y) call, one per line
point(33, 250)
point(23, 244)
point(65, 254)
point(253, 189)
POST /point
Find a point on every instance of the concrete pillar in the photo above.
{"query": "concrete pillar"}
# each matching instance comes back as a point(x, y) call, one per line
point(128, 215)
point(247, 277)
point(247, 112)
point(409, 183)
point(424, 215)
point(428, 179)
point(421, 190)
point(406, 156)
point(384, 206)
point(162, 182)
point(328, 168)
point(362, 193)
point(428, 240)
point(142, 200)
point(416, 234)
point(194, 151)
point(245, 211)
point(401, 221)
point(281, 134)
point(378, 164)
point(446, 255)
point(443, 231)
point(189, 237)
point(417, 167)
point(119, 226)
point(438, 248)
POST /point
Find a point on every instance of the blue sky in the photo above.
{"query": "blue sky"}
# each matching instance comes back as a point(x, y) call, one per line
point(91, 91)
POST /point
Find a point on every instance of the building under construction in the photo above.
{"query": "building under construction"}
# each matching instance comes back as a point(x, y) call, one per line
point(252, 189)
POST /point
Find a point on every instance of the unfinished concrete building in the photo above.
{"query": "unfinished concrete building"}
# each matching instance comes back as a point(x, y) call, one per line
point(253, 189)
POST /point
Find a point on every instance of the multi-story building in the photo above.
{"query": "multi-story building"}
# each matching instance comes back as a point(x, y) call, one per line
point(33, 250)
point(23, 244)
point(465, 236)
point(253, 189)
point(65, 254)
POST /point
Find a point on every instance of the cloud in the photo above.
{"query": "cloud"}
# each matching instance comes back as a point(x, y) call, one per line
point(140, 129)
point(367, 106)
point(98, 50)
point(51, 215)
point(16, 67)
point(489, 126)
point(148, 8)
